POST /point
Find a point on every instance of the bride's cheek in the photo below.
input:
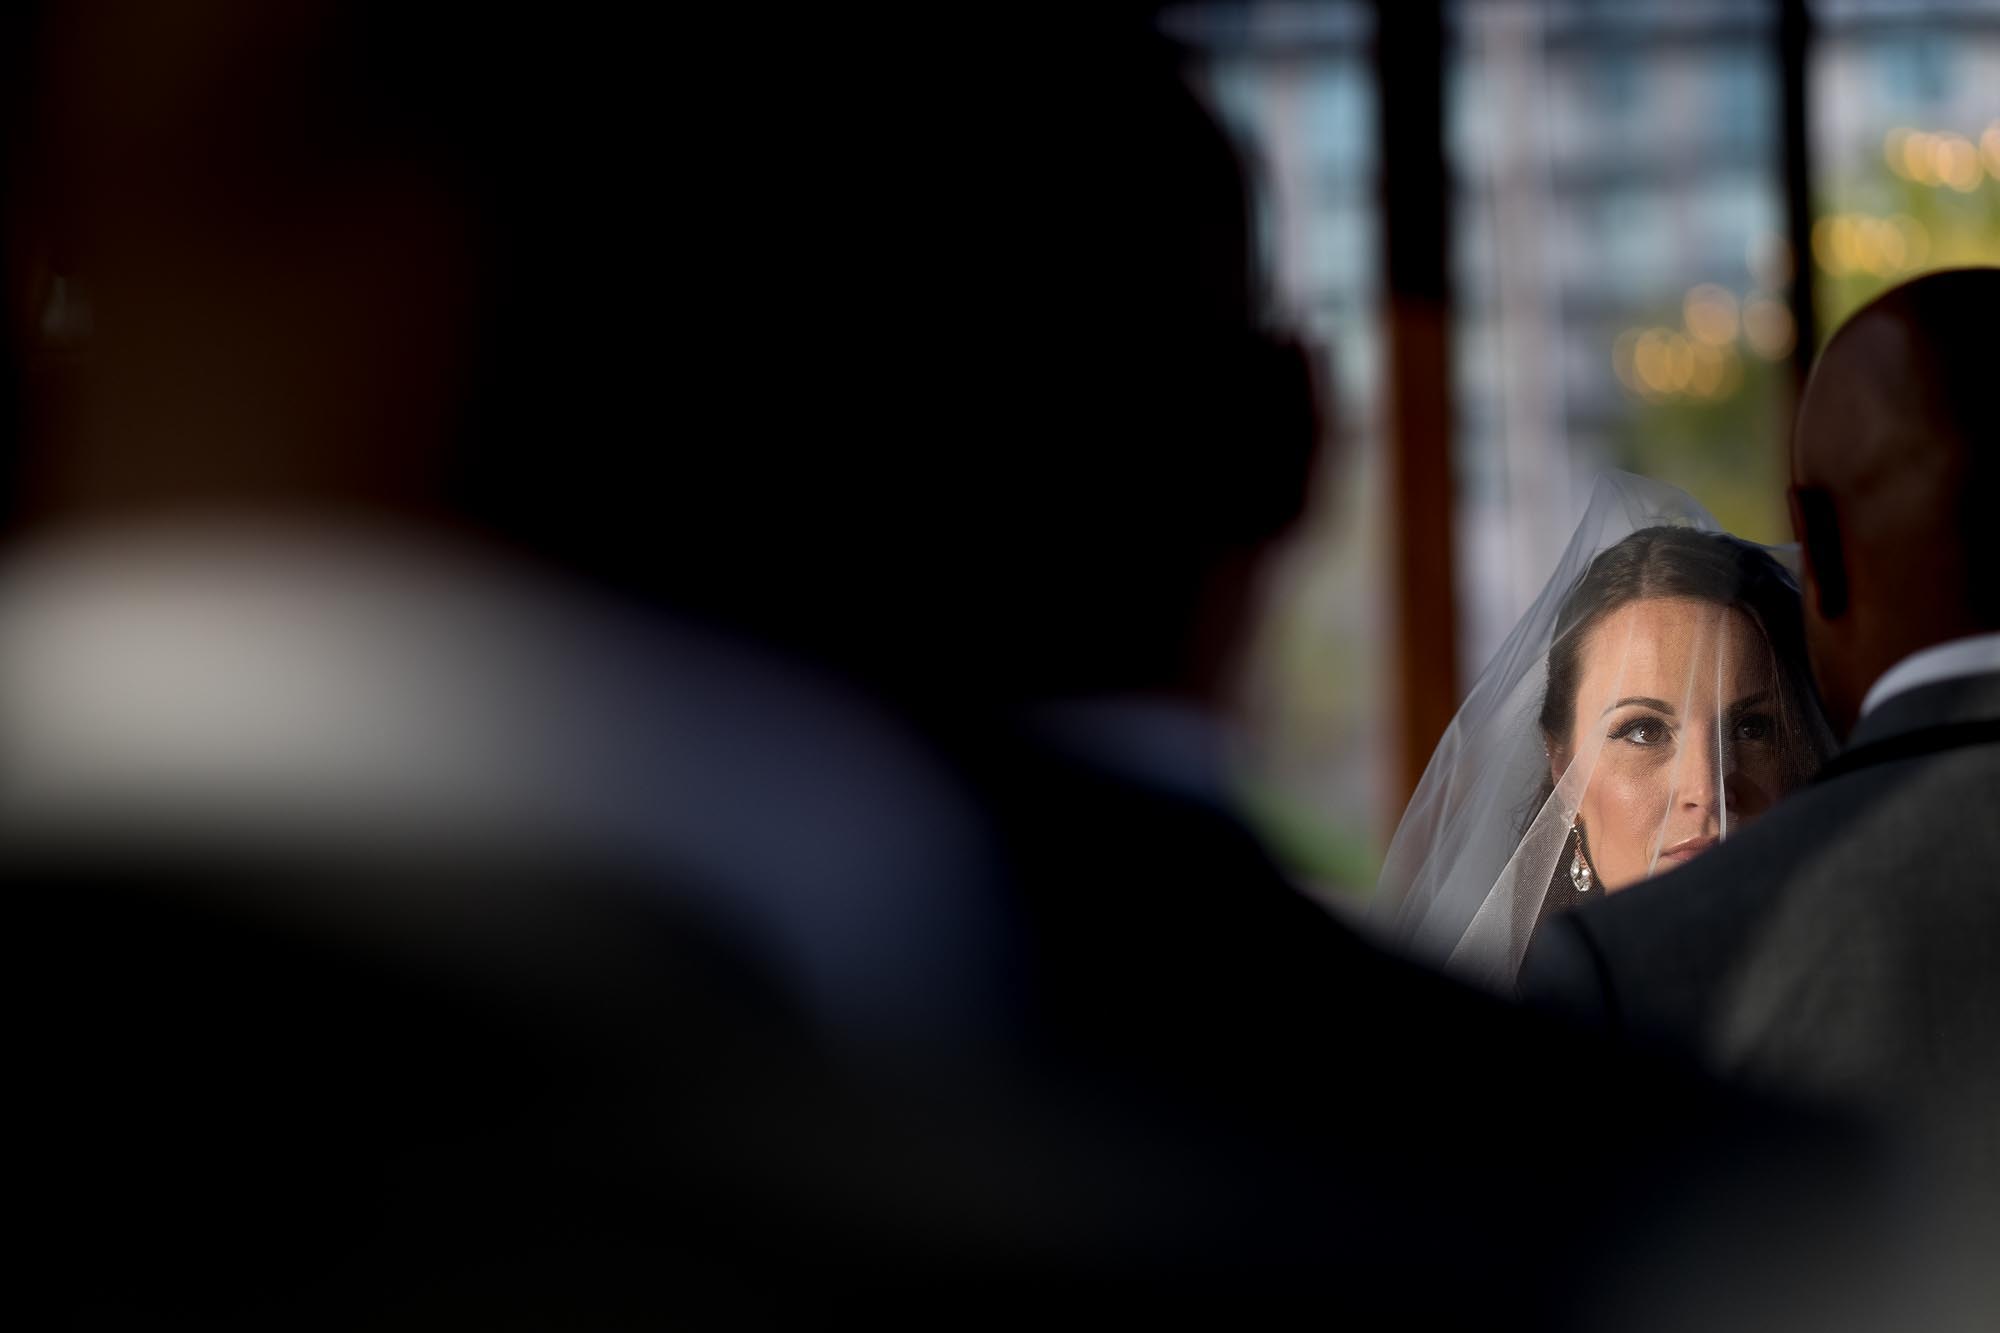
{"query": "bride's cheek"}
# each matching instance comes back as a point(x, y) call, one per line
point(1629, 798)
point(1636, 763)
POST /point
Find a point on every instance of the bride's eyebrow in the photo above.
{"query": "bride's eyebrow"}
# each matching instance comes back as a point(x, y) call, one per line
point(1661, 705)
point(1750, 701)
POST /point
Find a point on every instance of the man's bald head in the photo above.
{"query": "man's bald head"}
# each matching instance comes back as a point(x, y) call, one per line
point(1896, 471)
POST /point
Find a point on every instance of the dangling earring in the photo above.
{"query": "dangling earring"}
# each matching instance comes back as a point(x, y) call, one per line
point(1579, 868)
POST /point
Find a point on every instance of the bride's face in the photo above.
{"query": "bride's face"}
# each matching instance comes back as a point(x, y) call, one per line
point(1675, 718)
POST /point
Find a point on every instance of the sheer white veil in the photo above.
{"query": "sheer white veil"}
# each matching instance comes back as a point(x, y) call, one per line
point(1469, 871)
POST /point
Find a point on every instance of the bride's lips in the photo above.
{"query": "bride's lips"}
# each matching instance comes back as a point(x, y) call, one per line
point(1688, 848)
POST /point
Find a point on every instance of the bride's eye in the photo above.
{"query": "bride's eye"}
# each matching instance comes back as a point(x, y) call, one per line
point(1642, 731)
point(1755, 727)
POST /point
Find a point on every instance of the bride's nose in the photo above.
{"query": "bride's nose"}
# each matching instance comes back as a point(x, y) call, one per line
point(1705, 774)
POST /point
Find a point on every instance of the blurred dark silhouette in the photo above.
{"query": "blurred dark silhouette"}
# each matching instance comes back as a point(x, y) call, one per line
point(609, 673)
point(1846, 946)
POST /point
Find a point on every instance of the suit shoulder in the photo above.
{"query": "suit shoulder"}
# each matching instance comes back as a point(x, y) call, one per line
point(1563, 974)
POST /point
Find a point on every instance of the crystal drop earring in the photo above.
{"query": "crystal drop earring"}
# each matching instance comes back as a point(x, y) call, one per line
point(1580, 874)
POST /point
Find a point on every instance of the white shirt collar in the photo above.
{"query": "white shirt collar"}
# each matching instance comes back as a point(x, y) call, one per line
point(1973, 656)
point(255, 681)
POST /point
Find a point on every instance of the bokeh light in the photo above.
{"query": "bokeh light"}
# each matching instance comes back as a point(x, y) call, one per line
point(1943, 159)
point(1768, 327)
point(1710, 312)
point(1958, 163)
point(1659, 364)
point(1847, 244)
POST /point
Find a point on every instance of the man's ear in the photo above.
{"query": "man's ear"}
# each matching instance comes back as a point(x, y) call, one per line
point(1817, 526)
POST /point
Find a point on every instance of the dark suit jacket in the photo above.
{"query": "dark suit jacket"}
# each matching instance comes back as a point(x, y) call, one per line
point(1847, 945)
point(1328, 1115)
point(344, 1069)
point(550, 1098)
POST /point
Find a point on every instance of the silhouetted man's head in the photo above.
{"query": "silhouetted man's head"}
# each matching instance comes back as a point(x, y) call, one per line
point(1896, 474)
point(1128, 430)
point(952, 371)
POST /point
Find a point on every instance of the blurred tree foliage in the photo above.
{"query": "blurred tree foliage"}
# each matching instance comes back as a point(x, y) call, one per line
point(1961, 228)
point(1729, 450)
